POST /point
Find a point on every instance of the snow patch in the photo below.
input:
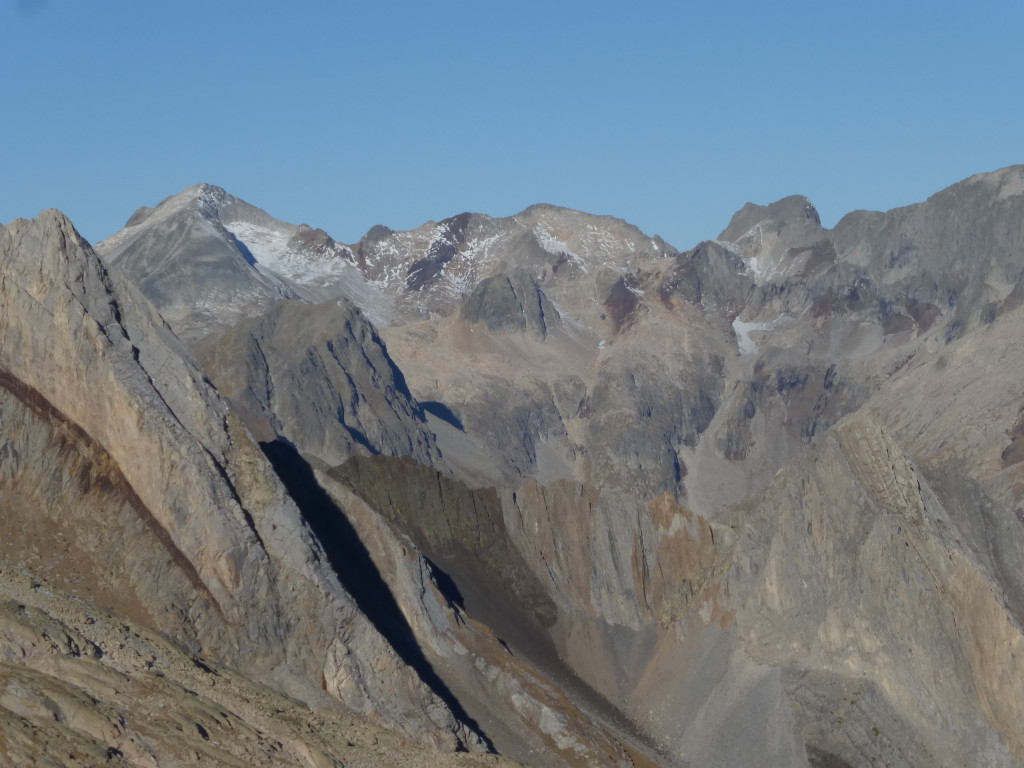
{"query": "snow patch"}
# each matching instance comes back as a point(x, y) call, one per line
point(552, 244)
point(742, 330)
point(321, 275)
point(270, 248)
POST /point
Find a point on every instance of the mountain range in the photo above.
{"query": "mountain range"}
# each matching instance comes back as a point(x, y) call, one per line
point(539, 488)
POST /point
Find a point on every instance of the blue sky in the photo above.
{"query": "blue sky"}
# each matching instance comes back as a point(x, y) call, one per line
point(343, 115)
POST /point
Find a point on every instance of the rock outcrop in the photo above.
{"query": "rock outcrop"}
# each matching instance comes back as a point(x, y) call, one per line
point(319, 376)
point(508, 303)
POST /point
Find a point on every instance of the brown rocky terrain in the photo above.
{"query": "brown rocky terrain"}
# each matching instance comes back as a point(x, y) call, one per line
point(80, 686)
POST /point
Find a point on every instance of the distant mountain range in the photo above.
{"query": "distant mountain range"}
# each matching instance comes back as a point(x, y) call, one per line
point(540, 485)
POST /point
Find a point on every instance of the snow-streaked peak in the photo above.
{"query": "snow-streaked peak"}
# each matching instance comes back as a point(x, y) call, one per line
point(395, 275)
point(200, 197)
point(589, 239)
point(206, 200)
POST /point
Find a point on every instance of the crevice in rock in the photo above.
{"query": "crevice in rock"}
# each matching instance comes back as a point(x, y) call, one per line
point(446, 585)
point(443, 412)
point(357, 572)
point(246, 514)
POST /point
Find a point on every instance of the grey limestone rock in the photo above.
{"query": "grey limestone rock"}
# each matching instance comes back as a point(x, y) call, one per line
point(319, 376)
point(512, 302)
point(712, 276)
point(195, 271)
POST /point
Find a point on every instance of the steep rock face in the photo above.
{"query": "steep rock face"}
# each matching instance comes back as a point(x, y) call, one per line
point(650, 401)
point(460, 529)
point(958, 412)
point(97, 336)
point(133, 444)
point(319, 376)
point(507, 303)
point(916, 254)
point(190, 266)
point(531, 709)
point(712, 275)
point(863, 591)
point(207, 259)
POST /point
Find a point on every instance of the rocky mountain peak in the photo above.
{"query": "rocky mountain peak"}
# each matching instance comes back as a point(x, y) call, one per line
point(596, 238)
point(1008, 181)
point(64, 258)
point(793, 211)
point(712, 275)
point(314, 240)
point(377, 232)
point(207, 260)
point(204, 199)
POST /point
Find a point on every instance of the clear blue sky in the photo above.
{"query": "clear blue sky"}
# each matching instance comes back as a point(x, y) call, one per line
point(347, 114)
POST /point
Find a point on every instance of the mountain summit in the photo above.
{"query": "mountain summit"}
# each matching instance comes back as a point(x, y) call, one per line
point(233, 259)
